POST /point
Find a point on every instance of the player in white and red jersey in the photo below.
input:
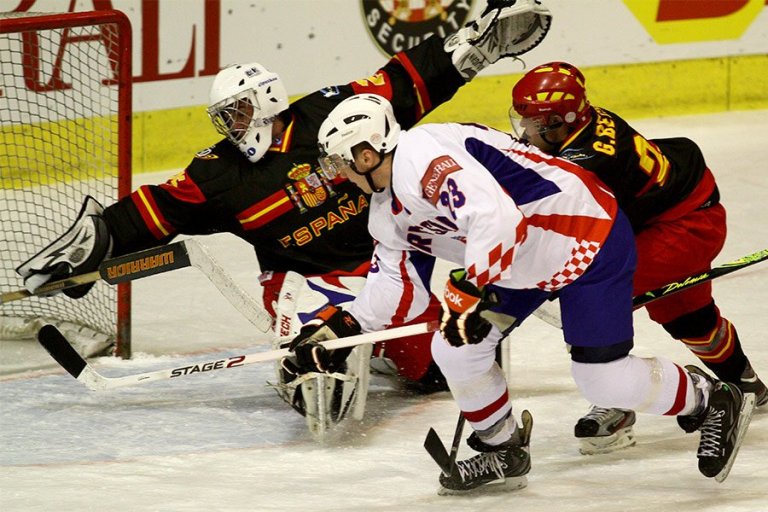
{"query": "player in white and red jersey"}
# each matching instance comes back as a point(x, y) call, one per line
point(524, 225)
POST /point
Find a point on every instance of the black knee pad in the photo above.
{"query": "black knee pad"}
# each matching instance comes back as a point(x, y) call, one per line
point(601, 354)
point(694, 324)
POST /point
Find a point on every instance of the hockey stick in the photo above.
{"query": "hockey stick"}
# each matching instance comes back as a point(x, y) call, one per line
point(116, 270)
point(696, 279)
point(158, 260)
point(447, 463)
point(61, 350)
point(251, 309)
point(552, 316)
point(435, 447)
point(65, 355)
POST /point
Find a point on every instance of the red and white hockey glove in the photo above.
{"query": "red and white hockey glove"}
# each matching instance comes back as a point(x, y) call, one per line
point(461, 323)
point(330, 323)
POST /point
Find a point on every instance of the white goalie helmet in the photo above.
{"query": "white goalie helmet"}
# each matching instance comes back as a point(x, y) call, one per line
point(360, 118)
point(245, 100)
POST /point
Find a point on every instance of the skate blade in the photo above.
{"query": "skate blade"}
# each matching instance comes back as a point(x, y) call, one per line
point(507, 485)
point(745, 416)
point(619, 440)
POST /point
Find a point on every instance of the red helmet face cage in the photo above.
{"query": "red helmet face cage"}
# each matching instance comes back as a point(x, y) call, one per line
point(553, 89)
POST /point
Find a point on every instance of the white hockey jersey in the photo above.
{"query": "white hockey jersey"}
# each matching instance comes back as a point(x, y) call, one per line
point(511, 215)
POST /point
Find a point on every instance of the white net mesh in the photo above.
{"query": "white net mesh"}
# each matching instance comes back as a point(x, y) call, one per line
point(59, 130)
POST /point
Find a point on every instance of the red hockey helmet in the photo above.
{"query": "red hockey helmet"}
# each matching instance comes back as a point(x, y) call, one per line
point(552, 89)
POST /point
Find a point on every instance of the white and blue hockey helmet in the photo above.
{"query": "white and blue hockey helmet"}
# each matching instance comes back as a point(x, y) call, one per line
point(245, 100)
point(360, 118)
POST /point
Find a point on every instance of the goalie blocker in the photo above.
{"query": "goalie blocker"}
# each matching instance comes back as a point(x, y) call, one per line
point(137, 265)
point(78, 251)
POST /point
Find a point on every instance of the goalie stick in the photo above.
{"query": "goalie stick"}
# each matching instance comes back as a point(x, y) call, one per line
point(158, 260)
point(64, 354)
point(116, 270)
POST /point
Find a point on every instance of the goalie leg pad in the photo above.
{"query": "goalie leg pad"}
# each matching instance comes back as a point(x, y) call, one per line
point(325, 399)
point(78, 251)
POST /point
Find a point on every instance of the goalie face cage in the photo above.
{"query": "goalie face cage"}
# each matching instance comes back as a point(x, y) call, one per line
point(65, 124)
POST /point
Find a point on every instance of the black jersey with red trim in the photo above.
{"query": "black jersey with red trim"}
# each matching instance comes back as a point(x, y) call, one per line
point(648, 176)
point(295, 216)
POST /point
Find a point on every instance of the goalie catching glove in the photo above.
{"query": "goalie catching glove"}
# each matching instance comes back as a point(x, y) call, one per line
point(329, 324)
point(461, 322)
point(78, 251)
point(507, 28)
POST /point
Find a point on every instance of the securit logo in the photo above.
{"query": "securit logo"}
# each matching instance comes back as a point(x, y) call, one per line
point(397, 25)
point(681, 21)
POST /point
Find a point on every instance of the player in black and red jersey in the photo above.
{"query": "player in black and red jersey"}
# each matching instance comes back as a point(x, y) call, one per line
point(263, 182)
point(670, 196)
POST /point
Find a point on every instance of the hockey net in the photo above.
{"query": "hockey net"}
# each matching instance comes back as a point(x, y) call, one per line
point(65, 124)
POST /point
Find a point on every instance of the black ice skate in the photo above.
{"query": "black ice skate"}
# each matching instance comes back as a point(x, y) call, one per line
point(701, 381)
point(604, 430)
point(722, 424)
point(749, 382)
point(496, 468)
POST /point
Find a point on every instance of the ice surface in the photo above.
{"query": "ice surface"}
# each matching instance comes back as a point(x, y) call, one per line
point(223, 441)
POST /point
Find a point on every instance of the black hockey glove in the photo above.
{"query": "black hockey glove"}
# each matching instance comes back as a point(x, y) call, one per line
point(461, 323)
point(330, 323)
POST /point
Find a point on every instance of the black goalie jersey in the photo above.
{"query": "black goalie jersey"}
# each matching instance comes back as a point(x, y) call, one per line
point(295, 216)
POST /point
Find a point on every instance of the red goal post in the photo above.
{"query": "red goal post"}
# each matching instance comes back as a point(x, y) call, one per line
point(65, 124)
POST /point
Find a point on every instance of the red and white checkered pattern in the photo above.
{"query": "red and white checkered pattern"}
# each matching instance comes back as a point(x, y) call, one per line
point(581, 258)
point(498, 261)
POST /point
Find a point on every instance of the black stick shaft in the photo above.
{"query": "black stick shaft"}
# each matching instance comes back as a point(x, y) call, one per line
point(696, 279)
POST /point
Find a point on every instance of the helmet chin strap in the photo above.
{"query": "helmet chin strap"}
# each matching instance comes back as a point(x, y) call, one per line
point(554, 144)
point(545, 139)
point(367, 175)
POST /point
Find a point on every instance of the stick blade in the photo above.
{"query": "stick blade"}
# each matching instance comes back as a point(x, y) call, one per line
point(61, 350)
point(436, 449)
